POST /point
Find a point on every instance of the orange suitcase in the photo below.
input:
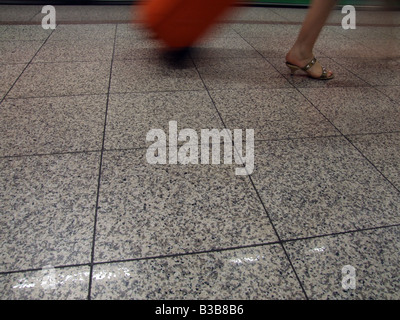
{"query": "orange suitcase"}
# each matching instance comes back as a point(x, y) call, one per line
point(180, 23)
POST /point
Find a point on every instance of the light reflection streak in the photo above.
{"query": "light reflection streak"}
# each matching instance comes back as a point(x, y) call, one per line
point(243, 260)
point(40, 281)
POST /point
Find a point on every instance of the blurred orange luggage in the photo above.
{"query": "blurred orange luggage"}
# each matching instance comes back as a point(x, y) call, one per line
point(180, 23)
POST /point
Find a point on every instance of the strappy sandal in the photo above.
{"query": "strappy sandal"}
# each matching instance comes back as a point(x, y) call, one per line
point(324, 76)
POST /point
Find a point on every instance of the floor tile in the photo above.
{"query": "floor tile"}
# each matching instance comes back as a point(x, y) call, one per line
point(256, 14)
point(373, 255)
point(363, 32)
point(212, 46)
point(223, 29)
point(273, 40)
point(132, 48)
point(61, 79)
point(18, 51)
point(77, 50)
point(297, 15)
point(273, 46)
point(154, 75)
point(224, 48)
point(387, 48)
point(336, 16)
point(50, 125)
point(46, 284)
point(136, 42)
point(383, 151)
point(260, 273)
point(75, 32)
point(377, 17)
point(321, 186)
point(343, 77)
point(356, 110)
point(25, 32)
point(392, 32)
point(47, 207)
point(260, 30)
point(239, 73)
point(9, 13)
point(272, 113)
point(339, 46)
point(133, 31)
point(374, 71)
point(393, 92)
point(131, 116)
point(9, 73)
point(291, 14)
point(149, 210)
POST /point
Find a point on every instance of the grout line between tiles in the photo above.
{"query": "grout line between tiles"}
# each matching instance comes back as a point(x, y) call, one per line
point(146, 147)
point(372, 133)
point(48, 154)
point(40, 269)
point(282, 243)
point(360, 44)
point(72, 61)
point(385, 85)
point(342, 233)
point(100, 169)
point(37, 13)
point(337, 61)
point(280, 15)
point(216, 250)
point(258, 195)
point(381, 92)
point(161, 91)
point(279, 238)
point(191, 253)
point(58, 96)
point(103, 94)
point(12, 86)
point(349, 141)
point(337, 129)
point(372, 164)
point(262, 56)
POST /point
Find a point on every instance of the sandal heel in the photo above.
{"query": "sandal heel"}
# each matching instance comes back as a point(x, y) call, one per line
point(292, 68)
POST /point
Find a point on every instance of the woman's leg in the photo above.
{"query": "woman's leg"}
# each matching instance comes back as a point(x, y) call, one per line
point(302, 51)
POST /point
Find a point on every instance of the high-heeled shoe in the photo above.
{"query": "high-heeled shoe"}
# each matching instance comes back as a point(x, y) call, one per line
point(324, 76)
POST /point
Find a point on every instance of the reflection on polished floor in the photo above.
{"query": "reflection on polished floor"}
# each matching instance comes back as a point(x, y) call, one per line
point(85, 216)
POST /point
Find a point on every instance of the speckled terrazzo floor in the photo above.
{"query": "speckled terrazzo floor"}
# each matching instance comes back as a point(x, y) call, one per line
point(84, 216)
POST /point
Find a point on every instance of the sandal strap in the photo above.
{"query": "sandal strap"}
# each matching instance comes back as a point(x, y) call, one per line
point(310, 64)
point(324, 73)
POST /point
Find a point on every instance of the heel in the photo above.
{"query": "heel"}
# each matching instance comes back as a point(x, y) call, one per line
point(292, 68)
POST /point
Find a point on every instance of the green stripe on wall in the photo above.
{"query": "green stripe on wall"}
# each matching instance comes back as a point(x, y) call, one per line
point(306, 2)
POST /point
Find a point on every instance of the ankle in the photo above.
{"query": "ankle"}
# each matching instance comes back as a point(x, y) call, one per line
point(299, 53)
